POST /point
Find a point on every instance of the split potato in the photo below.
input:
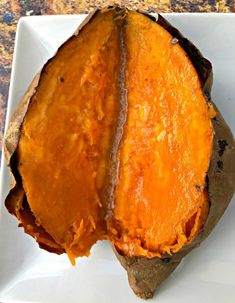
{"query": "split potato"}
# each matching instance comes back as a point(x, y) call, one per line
point(117, 138)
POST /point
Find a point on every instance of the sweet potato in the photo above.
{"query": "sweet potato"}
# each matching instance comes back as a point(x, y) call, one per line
point(117, 138)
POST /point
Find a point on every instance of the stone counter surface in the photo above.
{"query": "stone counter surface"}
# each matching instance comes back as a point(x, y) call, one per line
point(12, 10)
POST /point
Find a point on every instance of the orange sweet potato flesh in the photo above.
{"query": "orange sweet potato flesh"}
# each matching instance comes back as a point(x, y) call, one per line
point(117, 140)
point(67, 134)
point(166, 146)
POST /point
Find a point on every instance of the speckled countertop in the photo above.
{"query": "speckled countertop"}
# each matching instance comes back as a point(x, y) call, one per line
point(12, 10)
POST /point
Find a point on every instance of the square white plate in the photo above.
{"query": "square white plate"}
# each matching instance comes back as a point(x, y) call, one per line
point(28, 274)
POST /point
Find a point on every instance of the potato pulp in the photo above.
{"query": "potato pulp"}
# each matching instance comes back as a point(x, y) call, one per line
point(117, 140)
point(67, 135)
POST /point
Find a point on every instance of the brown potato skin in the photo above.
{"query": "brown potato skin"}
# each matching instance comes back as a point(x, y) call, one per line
point(146, 275)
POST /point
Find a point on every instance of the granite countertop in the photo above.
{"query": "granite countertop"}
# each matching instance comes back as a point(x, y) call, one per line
point(12, 10)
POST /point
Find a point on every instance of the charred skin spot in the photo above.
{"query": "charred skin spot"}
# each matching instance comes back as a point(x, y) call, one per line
point(222, 146)
point(166, 260)
point(220, 165)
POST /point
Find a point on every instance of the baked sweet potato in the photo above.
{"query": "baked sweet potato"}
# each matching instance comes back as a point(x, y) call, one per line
point(117, 138)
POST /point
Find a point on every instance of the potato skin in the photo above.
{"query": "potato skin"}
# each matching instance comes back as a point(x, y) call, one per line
point(146, 275)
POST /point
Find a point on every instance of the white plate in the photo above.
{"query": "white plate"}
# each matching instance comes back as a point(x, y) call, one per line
point(28, 274)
